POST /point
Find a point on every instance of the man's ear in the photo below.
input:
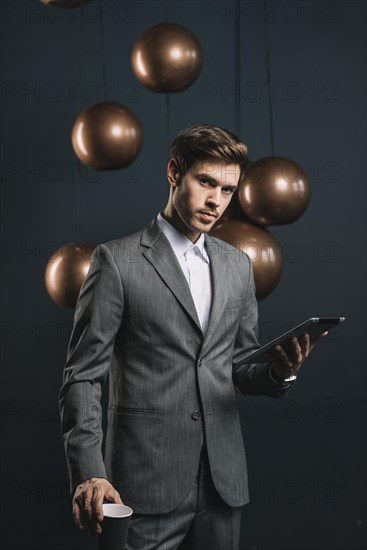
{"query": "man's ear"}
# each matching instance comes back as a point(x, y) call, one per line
point(173, 173)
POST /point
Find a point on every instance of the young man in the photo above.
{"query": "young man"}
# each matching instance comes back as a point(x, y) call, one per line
point(166, 312)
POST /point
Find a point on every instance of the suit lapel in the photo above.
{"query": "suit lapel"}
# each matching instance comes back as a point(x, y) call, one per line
point(220, 286)
point(161, 256)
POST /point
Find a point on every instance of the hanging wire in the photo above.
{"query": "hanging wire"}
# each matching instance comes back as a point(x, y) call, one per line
point(165, 9)
point(267, 53)
point(237, 69)
point(78, 109)
point(168, 121)
point(168, 107)
point(103, 52)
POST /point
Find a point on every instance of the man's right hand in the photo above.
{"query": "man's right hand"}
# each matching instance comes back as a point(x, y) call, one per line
point(87, 503)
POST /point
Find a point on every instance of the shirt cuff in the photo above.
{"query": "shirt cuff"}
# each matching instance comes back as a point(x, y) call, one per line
point(274, 378)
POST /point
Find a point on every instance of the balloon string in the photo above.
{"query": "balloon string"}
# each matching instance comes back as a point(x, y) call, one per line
point(103, 52)
point(2, 225)
point(168, 120)
point(80, 66)
point(78, 109)
point(267, 52)
point(237, 71)
point(78, 203)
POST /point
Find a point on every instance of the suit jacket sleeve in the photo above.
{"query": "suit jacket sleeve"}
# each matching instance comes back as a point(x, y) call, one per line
point(97, 319)
point(253, 379)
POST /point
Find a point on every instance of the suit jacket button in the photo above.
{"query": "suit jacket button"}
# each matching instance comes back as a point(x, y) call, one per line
point(195, 415)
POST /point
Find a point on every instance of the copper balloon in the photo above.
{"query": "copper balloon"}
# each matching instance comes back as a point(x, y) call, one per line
point(275, 190)
point(262, 248)
point(65, 3)
point(107, 136)
point(166, 58)
point(66, 271)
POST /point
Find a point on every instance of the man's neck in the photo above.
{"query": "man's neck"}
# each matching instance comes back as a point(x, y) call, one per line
point(172, 217)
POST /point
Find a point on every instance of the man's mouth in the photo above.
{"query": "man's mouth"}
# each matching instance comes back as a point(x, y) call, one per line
point(208, 215)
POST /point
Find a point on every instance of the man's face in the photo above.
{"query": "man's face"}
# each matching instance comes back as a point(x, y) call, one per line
point(203, 193)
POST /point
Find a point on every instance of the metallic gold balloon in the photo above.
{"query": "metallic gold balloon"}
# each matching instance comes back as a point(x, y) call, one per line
point(66, 271)
point(262, 248)
point(166, 58)
point(275, 190)
point(107, 136)
point(65, 3)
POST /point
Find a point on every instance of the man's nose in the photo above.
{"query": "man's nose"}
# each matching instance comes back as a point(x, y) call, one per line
point(214, 197)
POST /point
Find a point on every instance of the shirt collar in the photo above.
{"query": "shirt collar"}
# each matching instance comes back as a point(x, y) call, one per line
point(179, 242)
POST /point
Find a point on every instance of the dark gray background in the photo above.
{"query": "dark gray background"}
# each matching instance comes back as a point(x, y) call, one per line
point(306, 454)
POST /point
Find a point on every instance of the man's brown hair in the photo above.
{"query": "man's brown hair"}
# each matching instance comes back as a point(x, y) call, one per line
point(206, 142)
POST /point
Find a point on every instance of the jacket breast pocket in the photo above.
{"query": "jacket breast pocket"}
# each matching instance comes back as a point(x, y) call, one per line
point(231, 319)
point(235, 303)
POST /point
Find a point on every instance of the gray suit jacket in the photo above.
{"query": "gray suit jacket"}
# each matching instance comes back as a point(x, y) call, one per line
point(135, 320)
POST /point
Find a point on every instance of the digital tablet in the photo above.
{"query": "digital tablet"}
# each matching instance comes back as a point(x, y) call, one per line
point(314, 326)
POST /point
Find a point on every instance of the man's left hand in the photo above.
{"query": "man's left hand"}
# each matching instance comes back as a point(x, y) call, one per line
point(286, 360)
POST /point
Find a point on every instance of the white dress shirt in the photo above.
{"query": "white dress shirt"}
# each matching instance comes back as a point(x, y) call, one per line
point(195, 264)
